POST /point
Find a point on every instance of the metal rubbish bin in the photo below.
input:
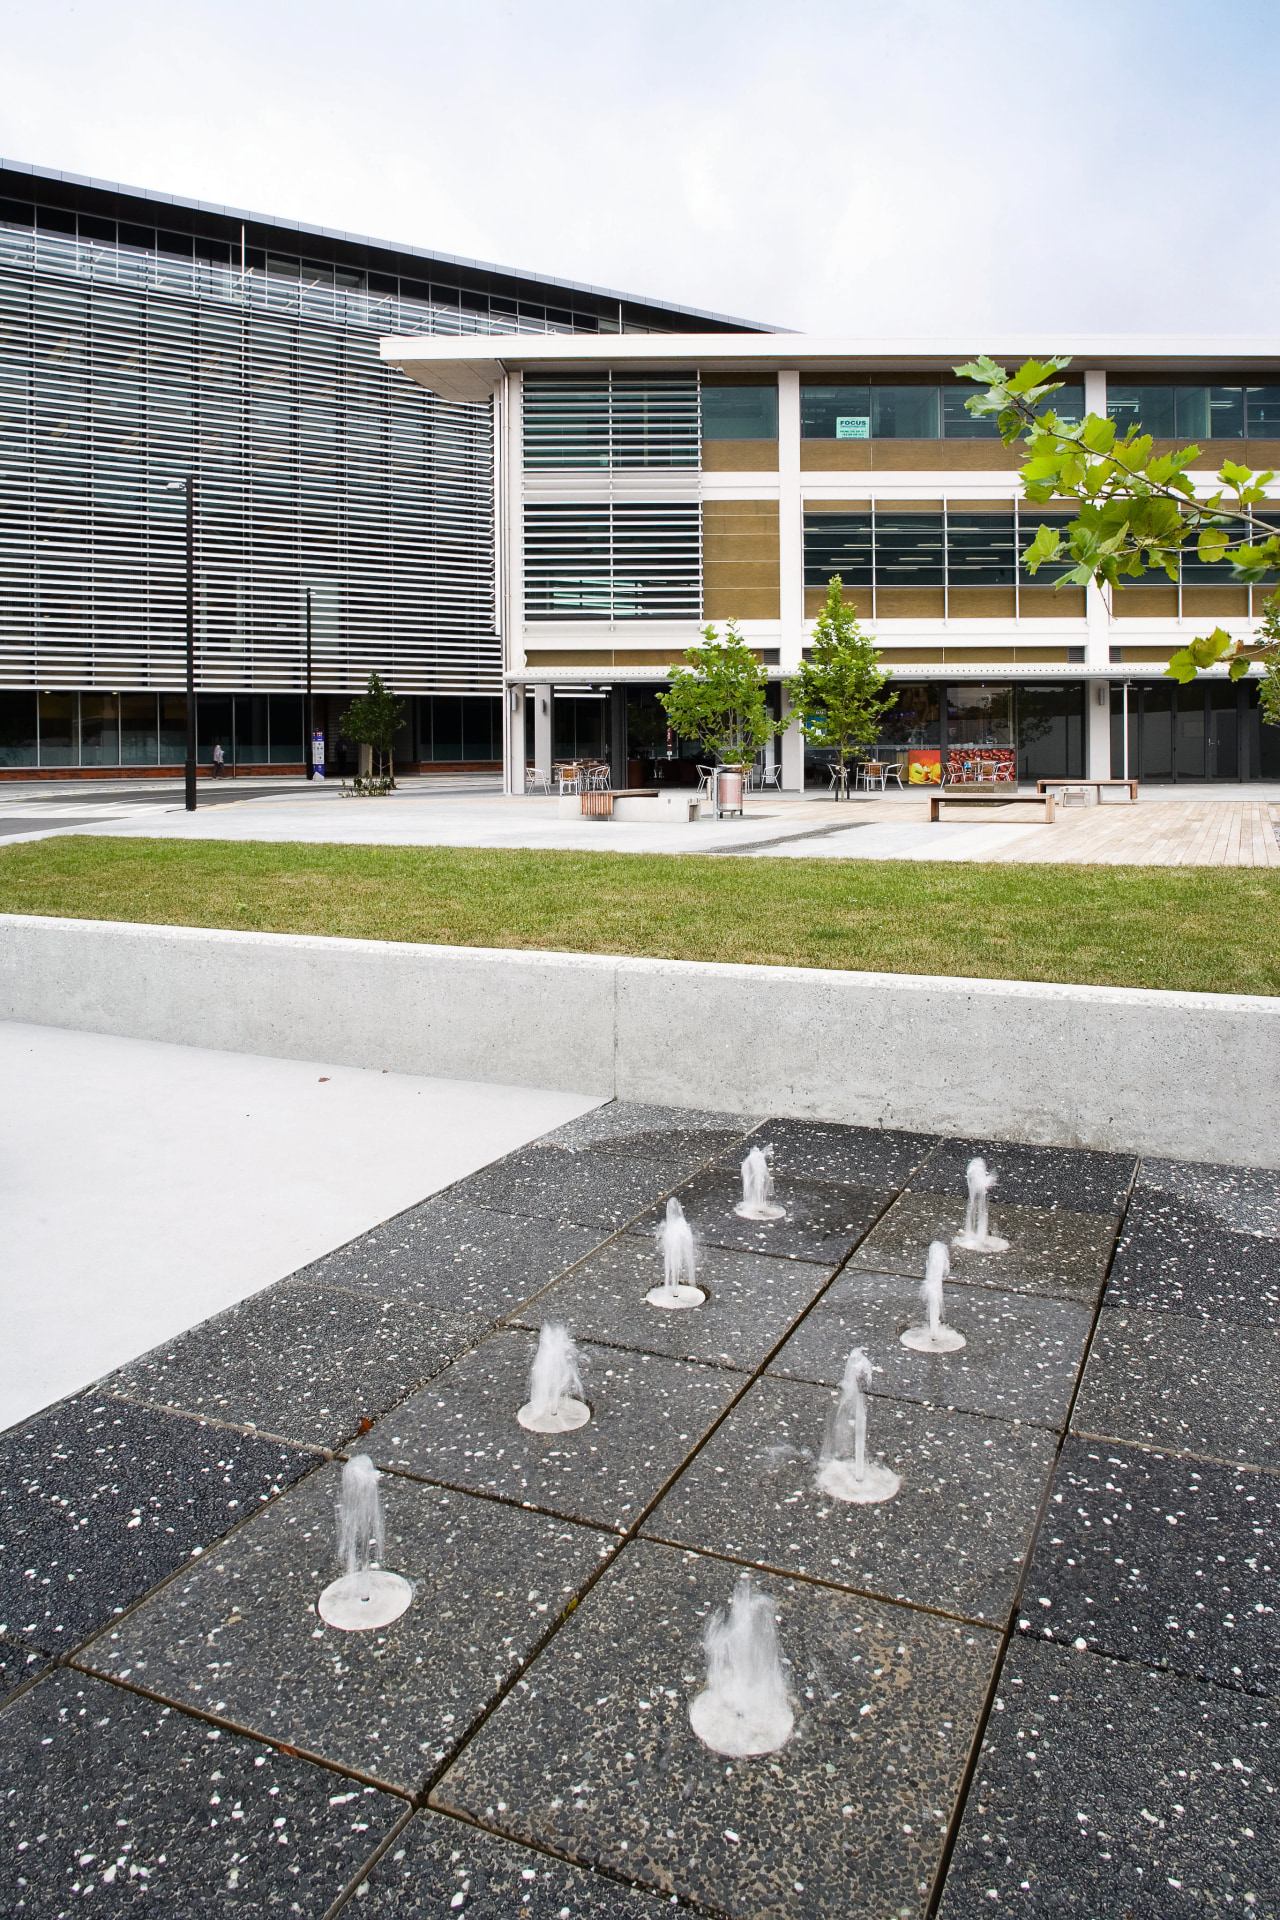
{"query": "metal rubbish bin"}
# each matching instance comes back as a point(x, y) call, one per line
point(726, 791)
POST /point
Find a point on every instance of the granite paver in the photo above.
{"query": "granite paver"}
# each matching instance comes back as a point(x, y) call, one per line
point(1105, 1789)
point(239, 1636)
point(823, 1221)
point(1020, 1359)
point(593, 1181)
point(100, 1499)
point(751, 1301)
point(1242, 1199)
point(110, 1802)
point(1167, 1561)
point(1197, 1386)
point(1073, 1178)
point(307, 1363)
point(954, 1537)
point(1175, 1254)
point(596, 1760)
point(648, 1414)
point(1052, 1251)
point(873, 1157)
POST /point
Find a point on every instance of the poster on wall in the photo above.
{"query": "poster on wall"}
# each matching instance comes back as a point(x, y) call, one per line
point(924, 767)
point(966, 766)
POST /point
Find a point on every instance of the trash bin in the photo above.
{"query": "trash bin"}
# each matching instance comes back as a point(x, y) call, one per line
point(729, 790)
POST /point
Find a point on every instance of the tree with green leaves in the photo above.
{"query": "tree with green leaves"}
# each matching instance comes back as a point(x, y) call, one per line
point(838, 694)
point(718, 696)
point(374, 718)
point(1137, 512)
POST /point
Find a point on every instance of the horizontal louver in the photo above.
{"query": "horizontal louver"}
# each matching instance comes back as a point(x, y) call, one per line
point(614, 421)
point(613, 560)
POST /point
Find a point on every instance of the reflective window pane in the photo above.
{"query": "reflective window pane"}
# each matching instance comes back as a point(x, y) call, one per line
point(1263, 411)
point(1142, 404)
point(958, 423)
point(57, 730)
point(17, 729)
point(252, 739)
point(909, 550)
point(835, 412)
point(740, 413)
point(99, 730)
point(173, 729)
point(213, 726)
point(286, 720)
point(837, 543)
point(1190, 736)
point(139, 742)
point(904, 413)
point(980, 549)
point(980, 716)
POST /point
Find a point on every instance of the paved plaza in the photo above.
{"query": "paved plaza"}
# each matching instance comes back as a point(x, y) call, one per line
point(1040, 1680)
point(1205, 825)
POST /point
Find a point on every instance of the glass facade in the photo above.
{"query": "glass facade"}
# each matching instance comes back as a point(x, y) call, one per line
point(951, 547)
point(881, 409)
point(1168, 411)
point(972, 732)
point(740, 412)
point(1209, 730)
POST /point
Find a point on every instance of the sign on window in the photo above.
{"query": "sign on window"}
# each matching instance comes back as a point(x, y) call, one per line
point(853, 426)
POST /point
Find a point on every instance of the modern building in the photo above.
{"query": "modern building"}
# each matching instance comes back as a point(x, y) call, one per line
point(145, 339)
point(647, 485)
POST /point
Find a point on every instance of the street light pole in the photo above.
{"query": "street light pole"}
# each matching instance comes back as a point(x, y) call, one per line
point(311, 719)
point(191, 643)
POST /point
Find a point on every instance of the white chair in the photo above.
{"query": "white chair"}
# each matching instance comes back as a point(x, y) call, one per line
point(536, 781)
point(704, 782)
point(599, 778)
point(771, 778)
point(892, 770)
point(569, 775)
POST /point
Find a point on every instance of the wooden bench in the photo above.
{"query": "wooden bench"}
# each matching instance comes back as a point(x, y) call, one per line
point(1046, 786)
point(598, 804)
point(938, 800)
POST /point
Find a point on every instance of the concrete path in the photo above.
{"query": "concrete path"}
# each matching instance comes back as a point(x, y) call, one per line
point(144, 1187)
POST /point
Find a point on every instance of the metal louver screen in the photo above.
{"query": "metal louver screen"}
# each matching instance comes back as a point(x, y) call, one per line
point(613, 421)
point(613, 560)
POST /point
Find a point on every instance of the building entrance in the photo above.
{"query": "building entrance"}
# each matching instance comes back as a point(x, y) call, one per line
point(1210, 730)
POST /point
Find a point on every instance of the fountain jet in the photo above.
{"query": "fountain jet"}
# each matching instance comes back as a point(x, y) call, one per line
point(844, 1471)
point(976, 1237)
point(554, 1384)
point(675, 1239)
point(743, 1708)
point(757, 1202)
point(935, 1336)
point(366, 1595)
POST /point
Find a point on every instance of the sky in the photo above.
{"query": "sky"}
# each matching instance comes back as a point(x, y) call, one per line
point(970, 167)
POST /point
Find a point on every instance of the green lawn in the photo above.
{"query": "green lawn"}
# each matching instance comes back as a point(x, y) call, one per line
point(1194, 928)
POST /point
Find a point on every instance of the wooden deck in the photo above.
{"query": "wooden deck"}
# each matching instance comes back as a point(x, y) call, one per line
point(1157, 833)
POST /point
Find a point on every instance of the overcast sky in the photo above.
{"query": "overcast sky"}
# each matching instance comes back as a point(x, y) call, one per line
point(903, 165)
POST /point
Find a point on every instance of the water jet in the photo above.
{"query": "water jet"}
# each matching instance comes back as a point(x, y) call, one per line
point(366, 1595)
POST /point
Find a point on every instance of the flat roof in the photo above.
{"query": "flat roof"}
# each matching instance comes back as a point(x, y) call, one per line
point(73, 183)
point(466, 368)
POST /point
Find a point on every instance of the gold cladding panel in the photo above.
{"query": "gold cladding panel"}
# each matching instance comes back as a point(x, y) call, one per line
point(835, 456)
point(1145, 603)
point(1043, 603)
point(739, 456)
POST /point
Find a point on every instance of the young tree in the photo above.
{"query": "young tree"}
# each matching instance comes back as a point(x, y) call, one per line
point(718, 697)
point(1137, 512)
point(838, 693)
point(374, 718)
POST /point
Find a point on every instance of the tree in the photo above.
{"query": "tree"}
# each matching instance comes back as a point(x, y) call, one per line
point(1137, 512)
point(718, 696)
point(374, 718)
point(838, 694)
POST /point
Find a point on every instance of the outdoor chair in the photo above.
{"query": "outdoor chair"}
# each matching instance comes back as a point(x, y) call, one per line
point(771, 778)
point(704, 781)
point(536, 781)
point(892, 770)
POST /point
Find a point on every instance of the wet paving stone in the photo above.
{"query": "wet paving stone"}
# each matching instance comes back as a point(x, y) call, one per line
point(648, 1414)
point(1070, 1178)
point(469, 1260)
point(100, 1499)
point(595, 1758)
point(239, 1636)
point(19, 1661)
point(871, 1157)
point(751, 1302)
point(954, 1537)
point(634, 1126)
point(1020, 1360)
point(593, 1182)
point(110, 1802)
point(1104, 1789)
point(306, 1363)
point(1196, 1386)
point(1166, 1561)
point(1241, 1199)
point(824, 1222)
point(1052, 1251)
point(437, 1859)
point(1175, 1255)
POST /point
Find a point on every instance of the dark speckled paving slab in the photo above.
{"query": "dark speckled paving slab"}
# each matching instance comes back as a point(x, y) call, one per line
point(1019, 1362)
point(751, 1301)
point(824, 1221)
point(1050, 1177)
point(110, 1803)
point(851, 1156)
point(593, 1178)
point(436, 1859)
point(595, 1758)
point(629, 1127)
point(1175, 1254)
point(953, 1538)
point(1165, 1380)
point(1242, 1199)
point(100, 1499)
point(1167, 1561)
point(1052, 1252)
point(239, 1635)
point(445, 1254)
point(19, 1662)
point(648, 1414)
point(308, 1363)
point(1106, 1790)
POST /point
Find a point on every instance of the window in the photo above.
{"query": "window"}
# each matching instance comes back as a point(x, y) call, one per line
point(624, 560)
point(1262, 405)
point(17, 729)
point(1172, 412)
point(740, 413)
point(904, 413)
point(895, 547)
point(610, 421)
point(909, 550)
point(980, 549)
point(837, 543)
point(835, 413)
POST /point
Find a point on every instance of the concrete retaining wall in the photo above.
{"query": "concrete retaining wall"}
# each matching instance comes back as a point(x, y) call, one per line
point(1190, 1076)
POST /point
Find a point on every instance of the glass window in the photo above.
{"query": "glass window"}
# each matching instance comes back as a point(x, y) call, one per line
point(1224, 730)
point(958, 423)
point(837, 543)
point(213, 726)
point(287, 727)
point(214, 253)
point(1263, 404)
point(93, 228)
point(835, 412)
point(57, 730)
point(13, 213)
point(740, 413)
point(904, 413)
point(1156, 734)
point(481, 729)
point(1030, 520)
point(17, 729)
point(1190, 753)
point(1225, 416)
point(909, 550)
point(980, 716)
point(144, 238)
point(99, 730)
point(253, 748)
point(913, 720)
point(1050, 732)
point(173, 729)
point(980, 549)
point(446, 727)
point(1142, 404)
point(178, 244)
point(138, 738)
point(54, 220)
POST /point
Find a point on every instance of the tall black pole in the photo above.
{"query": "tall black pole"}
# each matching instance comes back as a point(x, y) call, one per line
point(311, 718)
point(191, 644)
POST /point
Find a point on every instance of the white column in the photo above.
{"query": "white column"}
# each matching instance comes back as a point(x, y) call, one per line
point(541, 697)
point(790, 520)
point(513, 700)
point(1097, 651)
point(792, 753)
point(1097, 742)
